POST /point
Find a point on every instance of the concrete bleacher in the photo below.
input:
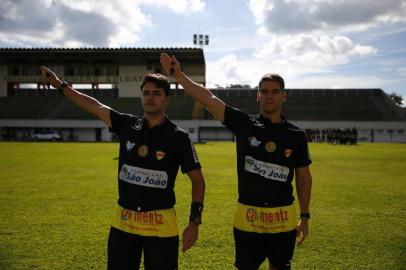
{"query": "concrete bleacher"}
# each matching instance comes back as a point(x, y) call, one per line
point(340, 105)
point(49, 104)
point(323, 104)
point(302, 104)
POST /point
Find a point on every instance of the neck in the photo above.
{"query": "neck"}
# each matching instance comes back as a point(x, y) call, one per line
point(274, 116)
point(154, 119)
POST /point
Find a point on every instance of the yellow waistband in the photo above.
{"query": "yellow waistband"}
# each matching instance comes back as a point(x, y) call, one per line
point(160, 223)
point(265, 220)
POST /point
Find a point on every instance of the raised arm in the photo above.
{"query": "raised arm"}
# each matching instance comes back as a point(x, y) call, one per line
point(203, 95)
point(83, 101)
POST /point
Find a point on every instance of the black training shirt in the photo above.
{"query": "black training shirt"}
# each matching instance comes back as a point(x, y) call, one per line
point(267, 154)
point(149, 161)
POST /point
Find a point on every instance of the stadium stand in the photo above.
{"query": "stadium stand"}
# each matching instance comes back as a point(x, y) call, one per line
point(302, 104)
point(323, 104)
point(113, 76)
point(333, 107)
point(49, 104)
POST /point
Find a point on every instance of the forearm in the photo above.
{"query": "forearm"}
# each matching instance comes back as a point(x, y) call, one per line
point(303, 190)
point(193, 89)
point(202, 95)
point(83, 101)
point(198, 188)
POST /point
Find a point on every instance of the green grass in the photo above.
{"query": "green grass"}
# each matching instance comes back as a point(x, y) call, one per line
point(57, 200)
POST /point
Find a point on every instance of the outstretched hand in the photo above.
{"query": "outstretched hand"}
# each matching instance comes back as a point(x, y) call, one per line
point(170, 64)
point(49, 77)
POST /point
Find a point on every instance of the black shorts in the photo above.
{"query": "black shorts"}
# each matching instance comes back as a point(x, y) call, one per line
point(251, 249)
point(125, 249)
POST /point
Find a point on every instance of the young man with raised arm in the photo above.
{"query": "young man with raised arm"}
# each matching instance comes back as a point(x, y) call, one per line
point(152, 149)
point(270, 151)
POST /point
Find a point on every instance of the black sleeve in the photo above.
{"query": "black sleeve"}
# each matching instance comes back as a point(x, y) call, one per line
point(119, 122)
point(189, 159)
point(302, 155)
point(235, 119)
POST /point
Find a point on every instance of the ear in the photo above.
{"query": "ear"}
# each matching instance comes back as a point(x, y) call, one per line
point(284, 96)
point(257, 96)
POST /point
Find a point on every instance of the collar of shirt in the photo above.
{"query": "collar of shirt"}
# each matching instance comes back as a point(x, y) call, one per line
point(268, 121)
point(165, 126)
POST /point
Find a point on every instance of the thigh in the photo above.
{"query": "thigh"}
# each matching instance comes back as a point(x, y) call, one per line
point(161, 253)
point(124, 250)
point(249, 249)
point(280, 247)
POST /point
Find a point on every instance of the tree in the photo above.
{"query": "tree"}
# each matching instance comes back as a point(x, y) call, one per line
point(397, 99)
point(239, 86)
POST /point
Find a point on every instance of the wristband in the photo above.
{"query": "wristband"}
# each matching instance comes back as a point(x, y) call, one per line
point(305, 215)
point(196, 209)
point(62, 86)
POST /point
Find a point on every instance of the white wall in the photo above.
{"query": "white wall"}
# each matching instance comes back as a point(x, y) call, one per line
point(368, 131)
point(85, 130)
point(130, 79)
point(85, 134)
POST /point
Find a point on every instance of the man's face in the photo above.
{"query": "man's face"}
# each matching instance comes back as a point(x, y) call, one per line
point(270, 97)
point(153, 99)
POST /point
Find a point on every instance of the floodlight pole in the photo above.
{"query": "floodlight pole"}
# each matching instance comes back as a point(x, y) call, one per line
point(201, 40)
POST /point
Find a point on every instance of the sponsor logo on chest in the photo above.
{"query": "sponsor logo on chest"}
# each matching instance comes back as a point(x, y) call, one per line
point(129, 145)
point(268, 170)
point(143, 177)
point(253, 141)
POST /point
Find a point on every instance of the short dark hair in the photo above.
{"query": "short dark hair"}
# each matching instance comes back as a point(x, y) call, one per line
point(273, 77)
point(159, 80)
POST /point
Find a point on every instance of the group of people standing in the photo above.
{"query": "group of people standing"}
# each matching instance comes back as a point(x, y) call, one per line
point(270, 153)
point(333, 135)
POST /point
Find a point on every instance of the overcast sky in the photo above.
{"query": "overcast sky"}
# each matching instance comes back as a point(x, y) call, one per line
point(311, 43)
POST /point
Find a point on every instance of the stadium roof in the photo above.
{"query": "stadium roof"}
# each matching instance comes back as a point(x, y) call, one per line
point(106, 55)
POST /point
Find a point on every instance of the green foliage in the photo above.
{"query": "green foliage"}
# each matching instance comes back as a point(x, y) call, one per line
point(57, 200)
point(397, 99)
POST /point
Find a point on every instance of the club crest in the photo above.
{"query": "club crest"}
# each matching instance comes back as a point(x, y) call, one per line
point(159, 155)
point(143, 150)
point(270, 147)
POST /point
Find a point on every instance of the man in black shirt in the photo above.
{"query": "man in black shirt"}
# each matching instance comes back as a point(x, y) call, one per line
point(270, 151)
point(152, 149)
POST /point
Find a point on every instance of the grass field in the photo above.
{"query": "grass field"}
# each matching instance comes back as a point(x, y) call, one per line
point(57, 200)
